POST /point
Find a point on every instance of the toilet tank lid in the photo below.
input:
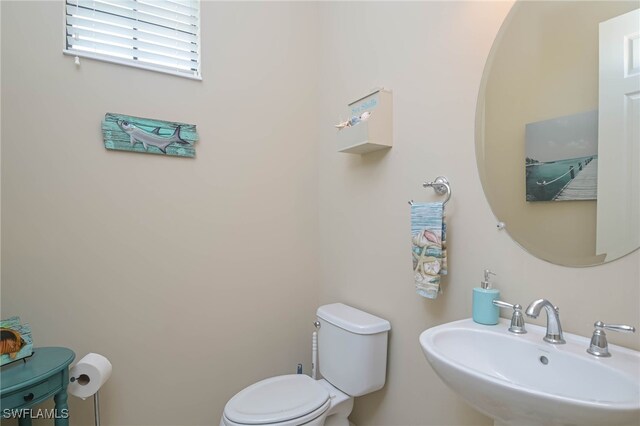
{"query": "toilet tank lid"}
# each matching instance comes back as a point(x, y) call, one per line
point(352, 319)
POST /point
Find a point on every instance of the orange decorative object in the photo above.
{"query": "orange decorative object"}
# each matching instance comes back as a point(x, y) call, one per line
point(10, 342)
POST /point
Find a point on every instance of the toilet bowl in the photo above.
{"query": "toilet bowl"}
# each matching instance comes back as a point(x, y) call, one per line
point(340, 408)
point(353, 356)
point(289, 400)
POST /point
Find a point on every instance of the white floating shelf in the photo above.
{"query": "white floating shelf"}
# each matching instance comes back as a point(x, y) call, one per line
point(374, 133)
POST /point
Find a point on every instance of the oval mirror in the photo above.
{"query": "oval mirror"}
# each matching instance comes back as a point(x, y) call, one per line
point(558, 129)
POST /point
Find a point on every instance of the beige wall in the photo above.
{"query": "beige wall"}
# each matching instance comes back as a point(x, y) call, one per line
point(432, 56)
point(190, 275)
point(101, 226)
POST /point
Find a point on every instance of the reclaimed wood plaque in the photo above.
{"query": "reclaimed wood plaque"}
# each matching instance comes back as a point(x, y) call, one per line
point(127, 133)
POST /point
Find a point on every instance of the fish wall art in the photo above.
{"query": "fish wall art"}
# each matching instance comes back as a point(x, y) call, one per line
point(127, 133)
point(15, 340)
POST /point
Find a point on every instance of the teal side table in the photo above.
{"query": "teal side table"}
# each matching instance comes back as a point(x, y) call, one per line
point(26, 384)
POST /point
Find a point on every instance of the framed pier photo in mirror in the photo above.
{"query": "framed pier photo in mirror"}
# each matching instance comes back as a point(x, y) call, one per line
point(561, 161)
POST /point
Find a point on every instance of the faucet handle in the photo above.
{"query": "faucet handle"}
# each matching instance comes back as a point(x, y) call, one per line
point(615, 327)
point(517, 319)
point(501, 304)
point(599, 346)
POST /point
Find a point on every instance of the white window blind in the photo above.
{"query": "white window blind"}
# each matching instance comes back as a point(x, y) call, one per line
point(161, 35)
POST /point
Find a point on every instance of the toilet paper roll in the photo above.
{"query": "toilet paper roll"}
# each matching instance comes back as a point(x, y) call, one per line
point(88, 375)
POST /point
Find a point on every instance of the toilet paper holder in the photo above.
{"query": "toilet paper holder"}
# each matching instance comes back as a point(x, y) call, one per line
point(86, 369)
point(96, 398)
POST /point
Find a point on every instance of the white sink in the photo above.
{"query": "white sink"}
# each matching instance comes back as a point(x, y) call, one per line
point(522, 380)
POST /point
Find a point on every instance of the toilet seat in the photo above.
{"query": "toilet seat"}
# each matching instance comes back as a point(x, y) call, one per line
point(292, 399)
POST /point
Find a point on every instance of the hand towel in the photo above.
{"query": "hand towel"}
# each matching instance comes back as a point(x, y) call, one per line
point(428, 237)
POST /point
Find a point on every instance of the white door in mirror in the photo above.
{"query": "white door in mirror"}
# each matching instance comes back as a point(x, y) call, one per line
point(618, 211)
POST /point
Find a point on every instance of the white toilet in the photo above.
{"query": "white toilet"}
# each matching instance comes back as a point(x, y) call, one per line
point(352, 352)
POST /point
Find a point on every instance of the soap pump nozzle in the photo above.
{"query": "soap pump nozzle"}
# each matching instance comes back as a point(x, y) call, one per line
point(486, 284)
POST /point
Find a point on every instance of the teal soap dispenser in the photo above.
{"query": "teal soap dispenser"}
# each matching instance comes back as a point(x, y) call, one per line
point(484, 311)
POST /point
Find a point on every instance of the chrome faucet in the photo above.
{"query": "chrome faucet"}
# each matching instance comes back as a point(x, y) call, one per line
point(554, 330)
point(599, 346)
point(517, 320)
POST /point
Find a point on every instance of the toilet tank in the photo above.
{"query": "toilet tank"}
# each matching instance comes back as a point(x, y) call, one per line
point(352, 348)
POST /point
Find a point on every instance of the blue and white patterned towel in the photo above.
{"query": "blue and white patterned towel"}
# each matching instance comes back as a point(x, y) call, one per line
point(428, 238)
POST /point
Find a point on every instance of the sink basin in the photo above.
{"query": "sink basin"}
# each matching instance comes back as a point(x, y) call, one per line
point(522, 380)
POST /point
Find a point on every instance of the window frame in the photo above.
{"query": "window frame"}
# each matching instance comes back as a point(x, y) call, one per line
point(133, 63)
